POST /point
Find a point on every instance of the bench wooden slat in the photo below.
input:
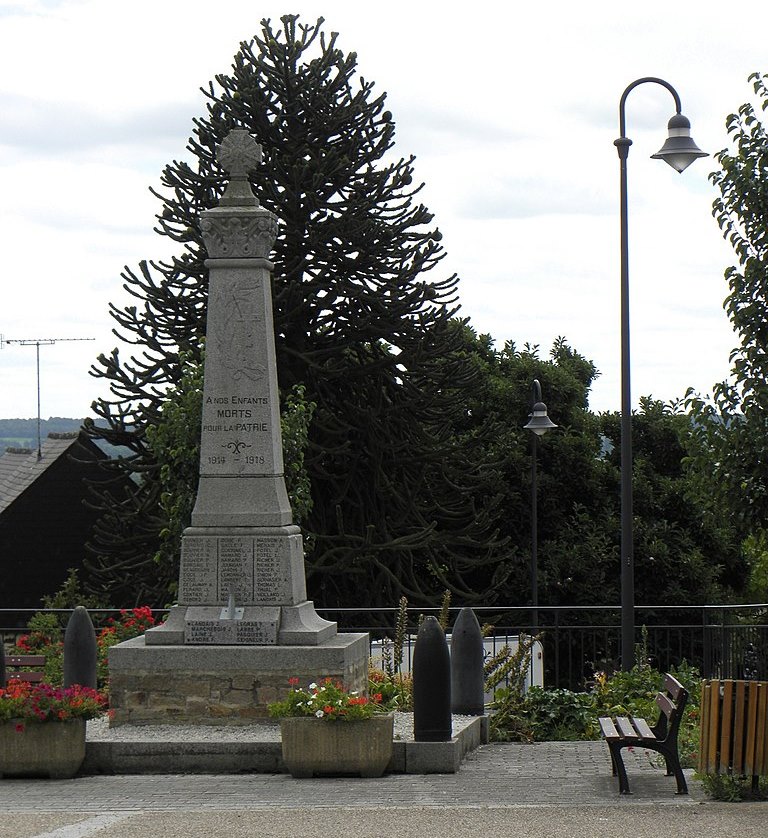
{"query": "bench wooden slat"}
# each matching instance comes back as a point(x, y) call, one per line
point(29, 677)
point(25, 660)
point(642, 727)
point(673, 686)
point(625, 727)
point(16, 674)
point(666, 705)
point(608, 728)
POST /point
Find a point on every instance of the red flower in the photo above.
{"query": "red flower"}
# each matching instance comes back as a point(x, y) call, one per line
point(19, 727)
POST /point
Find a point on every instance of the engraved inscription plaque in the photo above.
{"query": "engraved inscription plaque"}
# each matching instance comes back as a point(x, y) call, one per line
point(259, 634)
point(199, 570)
point(236, 569)
point(204, 632)
point(270, 559)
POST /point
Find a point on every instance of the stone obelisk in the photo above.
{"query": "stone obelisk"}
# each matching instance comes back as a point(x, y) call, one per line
point(242, 588)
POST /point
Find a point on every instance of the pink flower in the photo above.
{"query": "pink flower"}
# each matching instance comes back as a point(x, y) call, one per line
point(19, 727)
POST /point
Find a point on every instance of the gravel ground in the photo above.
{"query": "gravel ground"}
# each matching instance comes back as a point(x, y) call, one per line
point(99, 730)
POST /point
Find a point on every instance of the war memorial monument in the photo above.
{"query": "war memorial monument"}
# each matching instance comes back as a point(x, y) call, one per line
point(243, 624)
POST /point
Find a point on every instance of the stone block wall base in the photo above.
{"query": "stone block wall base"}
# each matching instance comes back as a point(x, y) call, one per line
point(223, 685)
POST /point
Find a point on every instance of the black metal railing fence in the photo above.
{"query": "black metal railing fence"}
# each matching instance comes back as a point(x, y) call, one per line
point(722, 641)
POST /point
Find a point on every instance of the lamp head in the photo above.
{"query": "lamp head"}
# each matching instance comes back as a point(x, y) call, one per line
point(679, 150)
point(539, 422)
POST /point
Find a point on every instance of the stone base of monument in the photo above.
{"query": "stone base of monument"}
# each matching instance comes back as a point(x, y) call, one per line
point(222, 685)
point(257, 749)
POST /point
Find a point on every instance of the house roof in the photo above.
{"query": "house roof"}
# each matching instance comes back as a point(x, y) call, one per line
point(20, 467)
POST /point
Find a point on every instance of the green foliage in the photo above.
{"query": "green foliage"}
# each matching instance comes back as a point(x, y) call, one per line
point(175, 443)
point(685, 551)
point(295, 422)
point(727, 451)
point(734, 789)
point(395, 689)
point(70, 595)
point(560, 715)
point(328, 701)
point(509, 720)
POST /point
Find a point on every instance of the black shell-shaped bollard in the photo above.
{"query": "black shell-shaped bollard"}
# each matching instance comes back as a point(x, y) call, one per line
point(80, 650)
point(2, 667)
point(467, 696)
point(431, 684)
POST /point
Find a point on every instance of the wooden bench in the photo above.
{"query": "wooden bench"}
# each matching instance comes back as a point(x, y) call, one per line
point(17, 668)
point(634, 732)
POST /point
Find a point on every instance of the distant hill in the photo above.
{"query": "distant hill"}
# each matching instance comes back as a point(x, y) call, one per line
point(22, 433)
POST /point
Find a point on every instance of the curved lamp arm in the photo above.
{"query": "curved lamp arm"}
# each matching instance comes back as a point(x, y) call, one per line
point(679, 150)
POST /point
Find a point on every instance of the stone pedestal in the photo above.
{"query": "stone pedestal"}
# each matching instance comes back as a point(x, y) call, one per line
point(223, 685)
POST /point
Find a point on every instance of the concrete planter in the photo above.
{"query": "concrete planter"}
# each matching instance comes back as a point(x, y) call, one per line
point(42, 749)
point(315, 746)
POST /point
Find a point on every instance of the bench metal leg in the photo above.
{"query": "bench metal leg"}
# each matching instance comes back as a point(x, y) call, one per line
point(672, 762)
point(618, 767)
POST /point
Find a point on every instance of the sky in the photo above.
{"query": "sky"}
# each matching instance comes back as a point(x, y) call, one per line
point(511, 110)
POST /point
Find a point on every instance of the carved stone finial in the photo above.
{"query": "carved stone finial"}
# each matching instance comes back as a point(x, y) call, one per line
point(239, 154)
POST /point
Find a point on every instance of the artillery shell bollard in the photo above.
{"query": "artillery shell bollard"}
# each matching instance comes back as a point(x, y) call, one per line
point(467, 694)
point(80, 650)
point(431, 684)
point(2, 666)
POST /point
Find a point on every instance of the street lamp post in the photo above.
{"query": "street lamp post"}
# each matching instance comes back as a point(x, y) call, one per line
point(539, 423)
point(679, 151)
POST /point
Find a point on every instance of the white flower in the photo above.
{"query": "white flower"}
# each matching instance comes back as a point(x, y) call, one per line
point(313, 686)
point(319, 714)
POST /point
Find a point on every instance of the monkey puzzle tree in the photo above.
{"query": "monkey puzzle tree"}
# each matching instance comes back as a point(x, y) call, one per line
point(359, 324)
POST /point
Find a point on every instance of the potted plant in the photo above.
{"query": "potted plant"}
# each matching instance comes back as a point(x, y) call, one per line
point(327, 730)
point(42, 728)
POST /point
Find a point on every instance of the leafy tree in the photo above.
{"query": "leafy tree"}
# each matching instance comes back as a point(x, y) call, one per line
point(728, 453)
point(395, 501)
point(683, 553)
point(574, 530)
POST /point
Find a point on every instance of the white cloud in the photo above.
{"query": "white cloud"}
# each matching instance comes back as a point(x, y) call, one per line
point(511, 111)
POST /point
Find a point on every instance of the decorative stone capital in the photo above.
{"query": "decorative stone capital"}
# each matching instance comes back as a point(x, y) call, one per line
point(233, 235)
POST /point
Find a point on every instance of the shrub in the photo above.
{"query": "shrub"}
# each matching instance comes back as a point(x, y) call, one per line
point(560, 715)
point(734, 789)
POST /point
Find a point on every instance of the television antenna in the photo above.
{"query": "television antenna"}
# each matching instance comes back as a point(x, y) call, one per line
point(37, 343)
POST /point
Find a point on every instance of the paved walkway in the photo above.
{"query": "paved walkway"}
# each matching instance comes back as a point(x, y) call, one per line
point(552, 790)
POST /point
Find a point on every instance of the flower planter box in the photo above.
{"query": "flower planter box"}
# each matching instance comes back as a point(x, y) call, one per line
point(41, 749)
point(316, 746)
